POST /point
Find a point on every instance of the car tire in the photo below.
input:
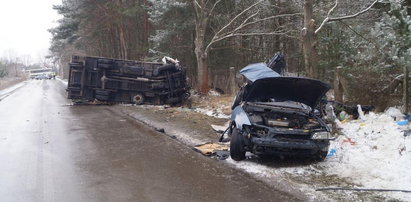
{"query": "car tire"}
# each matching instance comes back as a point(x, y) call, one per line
point(138, 99)
point(237, 150)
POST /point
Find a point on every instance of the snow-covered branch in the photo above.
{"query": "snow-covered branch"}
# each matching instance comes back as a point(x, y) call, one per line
point(220, 36)
point(212, 8)
point(330, 19)
point(196, 2)
point(269, 18)
point(237, 16)
point(248, 34)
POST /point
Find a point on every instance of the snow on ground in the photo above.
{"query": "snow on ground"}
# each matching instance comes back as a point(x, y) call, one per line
point(5, 92)
point(213, 93)
point(371, 153)
point(63, 81)
point(212, 112)
point(374, 153)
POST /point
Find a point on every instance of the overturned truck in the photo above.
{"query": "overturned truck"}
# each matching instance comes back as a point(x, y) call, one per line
point(127, 81)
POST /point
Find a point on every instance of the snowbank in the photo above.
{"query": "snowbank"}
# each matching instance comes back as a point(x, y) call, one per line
point(374, 153)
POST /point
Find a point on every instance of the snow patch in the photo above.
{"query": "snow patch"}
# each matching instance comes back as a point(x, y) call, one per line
point(213, 93)
point(374, 153)
point(5, 92)
point(63, 81)
point(212, 112)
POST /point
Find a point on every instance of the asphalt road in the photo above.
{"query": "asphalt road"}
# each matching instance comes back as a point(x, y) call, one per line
point(53, 151)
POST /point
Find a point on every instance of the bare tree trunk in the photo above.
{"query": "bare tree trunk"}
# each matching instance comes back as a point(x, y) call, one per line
point(201, 54)
point(232, 81)
point(309, 40)
point(123, 45)
point(405, 85)
point(121, 35)
point(202, 72)
point(338, 87)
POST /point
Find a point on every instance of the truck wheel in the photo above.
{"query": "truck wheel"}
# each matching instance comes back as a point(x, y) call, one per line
point(237, 150)
point(138, 99)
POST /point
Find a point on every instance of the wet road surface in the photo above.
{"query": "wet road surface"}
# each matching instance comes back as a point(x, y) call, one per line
point(52, 151)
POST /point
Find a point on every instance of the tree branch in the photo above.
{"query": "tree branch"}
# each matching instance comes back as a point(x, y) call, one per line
point(327, 18)
point(330, 19)
point(248, 34)
point(245, 21)
point(212, 9)
point(271, 17)
point(217, 37)
point(237, 16)
point(363, 37)
point(354, 15)
point(195, 1)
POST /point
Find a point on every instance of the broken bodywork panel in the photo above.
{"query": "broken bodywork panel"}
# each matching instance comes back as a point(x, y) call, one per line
point(257, 71)
point(128, 81)
point(275, 115)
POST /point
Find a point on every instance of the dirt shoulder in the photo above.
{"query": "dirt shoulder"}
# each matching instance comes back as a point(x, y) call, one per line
point(184, 124)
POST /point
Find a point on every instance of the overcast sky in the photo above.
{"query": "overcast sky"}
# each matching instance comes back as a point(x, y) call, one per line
point(24, 24)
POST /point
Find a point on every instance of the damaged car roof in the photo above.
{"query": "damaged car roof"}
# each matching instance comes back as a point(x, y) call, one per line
point(257, 71)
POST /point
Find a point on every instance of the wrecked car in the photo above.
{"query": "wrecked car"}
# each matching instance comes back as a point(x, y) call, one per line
point(276, 115)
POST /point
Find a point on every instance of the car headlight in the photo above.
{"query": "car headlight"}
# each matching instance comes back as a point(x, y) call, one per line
point(321, 135)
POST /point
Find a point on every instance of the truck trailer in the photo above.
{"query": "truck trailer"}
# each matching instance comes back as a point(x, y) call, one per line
point(126, 81)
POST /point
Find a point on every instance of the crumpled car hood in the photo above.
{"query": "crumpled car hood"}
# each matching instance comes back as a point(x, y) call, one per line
point(303, 90)
point(257, 71)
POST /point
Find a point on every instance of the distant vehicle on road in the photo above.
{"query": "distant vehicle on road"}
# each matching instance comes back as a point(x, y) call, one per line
point(41, 77)
point(115, 80)
point(33, 73)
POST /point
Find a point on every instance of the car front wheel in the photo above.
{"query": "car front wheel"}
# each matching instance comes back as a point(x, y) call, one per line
point(237, 150)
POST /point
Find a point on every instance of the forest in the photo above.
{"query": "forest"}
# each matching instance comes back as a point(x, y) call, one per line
point(361, 47)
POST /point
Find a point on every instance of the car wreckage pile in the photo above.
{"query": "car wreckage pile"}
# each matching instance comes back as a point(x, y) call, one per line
point(126, 81)
point(273, 114)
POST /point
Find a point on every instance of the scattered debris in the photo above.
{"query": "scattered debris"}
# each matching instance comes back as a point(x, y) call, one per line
point(394, 113)
point(353, 111)
point(402, 122)
point(372, 153)
point(220, 129)
point(211, 148)
point(222, 154)
point(332, 152)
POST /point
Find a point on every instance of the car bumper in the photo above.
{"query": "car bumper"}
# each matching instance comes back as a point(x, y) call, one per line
point(290, 143)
